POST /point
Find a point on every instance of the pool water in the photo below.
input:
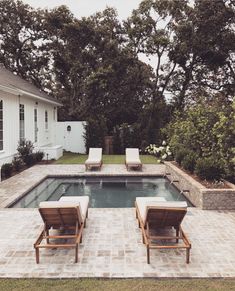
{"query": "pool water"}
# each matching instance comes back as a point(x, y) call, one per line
point(104, 192)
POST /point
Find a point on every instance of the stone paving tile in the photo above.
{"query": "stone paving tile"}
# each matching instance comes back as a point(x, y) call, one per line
point(112, 247)
point(112, 243)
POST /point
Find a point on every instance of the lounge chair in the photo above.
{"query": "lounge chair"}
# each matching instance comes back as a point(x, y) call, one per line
point(62, 215)
point(156, 218)
point(133, 159)
point(94, 158)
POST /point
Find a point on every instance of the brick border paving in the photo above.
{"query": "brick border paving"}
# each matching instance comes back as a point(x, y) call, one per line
point(112, 245)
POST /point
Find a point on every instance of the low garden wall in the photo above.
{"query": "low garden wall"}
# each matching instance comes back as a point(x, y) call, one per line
point(199, 195)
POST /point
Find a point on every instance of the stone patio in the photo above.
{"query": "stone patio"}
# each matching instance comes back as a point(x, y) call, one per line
point(112, 243)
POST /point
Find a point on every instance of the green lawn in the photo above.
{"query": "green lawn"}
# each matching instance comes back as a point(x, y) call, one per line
point(116, 284)
point(71, 158)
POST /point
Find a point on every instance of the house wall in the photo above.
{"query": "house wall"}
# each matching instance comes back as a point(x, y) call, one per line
point(11, 123)
point(73, 140)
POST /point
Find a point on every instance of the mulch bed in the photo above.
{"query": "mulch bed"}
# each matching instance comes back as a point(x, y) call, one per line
point(25, 168)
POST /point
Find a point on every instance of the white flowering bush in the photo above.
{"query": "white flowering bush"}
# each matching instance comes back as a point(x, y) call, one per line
point(162, 152)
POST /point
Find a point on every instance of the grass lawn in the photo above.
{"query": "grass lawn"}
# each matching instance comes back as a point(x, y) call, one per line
point(71, 158)
point(116, 284)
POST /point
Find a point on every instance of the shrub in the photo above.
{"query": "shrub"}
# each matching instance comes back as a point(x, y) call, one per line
point(180, 154)
point(17, 163)
point(209, 168)
point(163, 152)
point(117, 143)
point(189, 161)
point(95, 131)
point(126, 136)
point(30, 160)
point(25, 149)
point(39, 156)
point(6, 170)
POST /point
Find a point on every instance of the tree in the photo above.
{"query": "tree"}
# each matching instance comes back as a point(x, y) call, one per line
point(97, 73)
point(192, 45)
point(23, 42)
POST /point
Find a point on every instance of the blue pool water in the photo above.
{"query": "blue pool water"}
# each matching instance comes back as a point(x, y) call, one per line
point(104, 192)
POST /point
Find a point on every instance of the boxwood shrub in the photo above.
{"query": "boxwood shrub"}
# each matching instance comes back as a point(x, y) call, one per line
point(209, 168)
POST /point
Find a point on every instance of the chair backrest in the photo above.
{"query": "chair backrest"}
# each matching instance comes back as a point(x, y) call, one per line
point(132, 153)
point(60, 216)
point(95, 153)
point(160, 217)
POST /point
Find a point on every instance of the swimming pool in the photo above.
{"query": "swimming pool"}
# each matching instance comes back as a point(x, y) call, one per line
point(104, 192)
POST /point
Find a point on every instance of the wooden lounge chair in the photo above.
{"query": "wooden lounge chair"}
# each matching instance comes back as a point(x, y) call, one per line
point(133, 159)
point(156, 219)
point(94, 158)
point(63, 216)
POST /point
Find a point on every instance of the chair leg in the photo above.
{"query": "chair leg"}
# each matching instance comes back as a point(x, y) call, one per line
point(47, 234)
point(76, 253)
point(187, 255)
point(177, 234)
point(81, 239)
point(148, 255)
point(37, 255)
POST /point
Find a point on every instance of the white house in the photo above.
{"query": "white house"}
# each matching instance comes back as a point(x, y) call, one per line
point(26, 113)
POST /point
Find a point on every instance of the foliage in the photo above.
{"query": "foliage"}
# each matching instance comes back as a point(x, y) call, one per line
point(180, 153)
point(117, 143)
point(6, 170)
point(209, 168)
point(39, 155)
point(126, 136)
point(189, 161)
point(162, 152)
point(17, 163)
point(95, 131)
point(208, 131)
point(25, 149)
point(30, 160)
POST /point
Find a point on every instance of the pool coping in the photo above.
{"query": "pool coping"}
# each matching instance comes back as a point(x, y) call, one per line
point(42, 175)
point(16, 200)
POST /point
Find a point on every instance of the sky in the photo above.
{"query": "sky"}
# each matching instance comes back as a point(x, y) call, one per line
point(87, 7)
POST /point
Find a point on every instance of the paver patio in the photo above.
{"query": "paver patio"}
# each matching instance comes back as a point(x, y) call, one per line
point(112, 243)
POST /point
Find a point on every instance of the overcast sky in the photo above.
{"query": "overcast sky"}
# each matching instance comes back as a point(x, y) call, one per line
point(87, 7)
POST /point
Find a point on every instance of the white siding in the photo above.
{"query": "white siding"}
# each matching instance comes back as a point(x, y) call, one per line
point(11, 123)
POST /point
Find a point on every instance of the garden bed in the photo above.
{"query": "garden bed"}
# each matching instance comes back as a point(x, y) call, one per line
point(208, 184)
point(199, 194)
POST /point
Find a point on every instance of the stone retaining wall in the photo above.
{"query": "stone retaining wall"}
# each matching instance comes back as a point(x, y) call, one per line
point(199, 195)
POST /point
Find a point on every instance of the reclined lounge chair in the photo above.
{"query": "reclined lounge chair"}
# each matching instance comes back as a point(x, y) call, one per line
point(94, 158)
point(156, 218)
point(133, 159)
point(67, 214)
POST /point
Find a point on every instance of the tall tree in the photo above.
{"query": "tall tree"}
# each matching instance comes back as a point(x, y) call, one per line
point(23, 42)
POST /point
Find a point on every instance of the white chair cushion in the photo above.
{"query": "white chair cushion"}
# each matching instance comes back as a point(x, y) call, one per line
point(132, 156)
point(142, 201)
point(150, 202)
point(95, 156)
point(83, 201)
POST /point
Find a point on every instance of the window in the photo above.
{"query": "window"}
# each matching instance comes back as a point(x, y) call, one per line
point(35, 125)
point(46, 120)
point(1, 125)
point(22, 130)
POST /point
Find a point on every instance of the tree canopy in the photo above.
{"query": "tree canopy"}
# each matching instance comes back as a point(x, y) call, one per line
point(93, 64)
